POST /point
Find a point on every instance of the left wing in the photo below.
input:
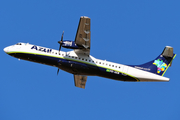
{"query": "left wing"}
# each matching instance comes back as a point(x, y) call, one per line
point(80, 81)
point(83, 35)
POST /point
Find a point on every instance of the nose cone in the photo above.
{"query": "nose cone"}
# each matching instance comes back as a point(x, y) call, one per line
point(6, 49)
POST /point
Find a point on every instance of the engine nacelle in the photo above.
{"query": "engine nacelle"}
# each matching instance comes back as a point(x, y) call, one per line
point(69, 44)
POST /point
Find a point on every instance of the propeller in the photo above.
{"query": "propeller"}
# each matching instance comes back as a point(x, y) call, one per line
point(60, 42)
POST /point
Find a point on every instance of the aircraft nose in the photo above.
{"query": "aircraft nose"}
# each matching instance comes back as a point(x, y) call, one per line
point(6, 49)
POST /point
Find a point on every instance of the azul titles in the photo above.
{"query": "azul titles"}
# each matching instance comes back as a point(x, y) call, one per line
point(47, 50)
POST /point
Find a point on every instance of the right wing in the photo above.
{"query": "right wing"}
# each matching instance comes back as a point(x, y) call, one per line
point(83, 35)
point(80, 81)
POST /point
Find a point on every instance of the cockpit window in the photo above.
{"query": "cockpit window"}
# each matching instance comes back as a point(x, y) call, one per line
point(18, 44)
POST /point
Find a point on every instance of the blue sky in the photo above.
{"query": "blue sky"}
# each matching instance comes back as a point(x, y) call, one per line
point(123, 31)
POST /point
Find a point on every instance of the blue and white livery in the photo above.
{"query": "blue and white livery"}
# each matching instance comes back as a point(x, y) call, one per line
point(81, 64)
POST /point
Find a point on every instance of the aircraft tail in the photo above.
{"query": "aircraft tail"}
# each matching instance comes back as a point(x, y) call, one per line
point(161, 63)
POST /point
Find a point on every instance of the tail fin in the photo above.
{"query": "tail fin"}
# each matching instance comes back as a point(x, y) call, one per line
point(161, 63)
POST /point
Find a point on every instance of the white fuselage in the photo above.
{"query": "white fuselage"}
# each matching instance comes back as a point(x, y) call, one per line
point(111, 69)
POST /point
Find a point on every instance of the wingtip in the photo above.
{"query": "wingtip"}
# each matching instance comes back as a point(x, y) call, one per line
point(84, 17)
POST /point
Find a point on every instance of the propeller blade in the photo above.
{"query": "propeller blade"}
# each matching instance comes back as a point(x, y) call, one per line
point(62, 36)
point(60, 47)
point(58, 71)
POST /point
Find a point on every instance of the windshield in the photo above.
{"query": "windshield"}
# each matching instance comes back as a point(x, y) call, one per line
point(18, 44)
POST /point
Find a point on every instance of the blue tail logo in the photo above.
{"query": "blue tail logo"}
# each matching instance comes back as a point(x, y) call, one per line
point(161, 66)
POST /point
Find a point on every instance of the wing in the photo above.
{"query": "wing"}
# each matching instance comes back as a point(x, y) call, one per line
point(80, 81)
point(83, 35)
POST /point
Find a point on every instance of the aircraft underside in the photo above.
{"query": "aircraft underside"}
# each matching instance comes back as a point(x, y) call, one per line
point(74, 67)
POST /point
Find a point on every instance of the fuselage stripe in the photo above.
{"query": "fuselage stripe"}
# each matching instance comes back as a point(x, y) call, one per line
point(72, 60)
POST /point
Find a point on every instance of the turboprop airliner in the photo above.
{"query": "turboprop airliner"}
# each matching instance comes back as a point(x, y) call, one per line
point(81, 64)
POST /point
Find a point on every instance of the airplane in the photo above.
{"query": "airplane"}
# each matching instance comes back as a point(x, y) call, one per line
point(81, 64)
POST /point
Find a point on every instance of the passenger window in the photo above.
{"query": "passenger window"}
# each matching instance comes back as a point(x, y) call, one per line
point(86, 59)
point(82, 58)
point(112, 65)
point(99, 62)
point(72, 56)
point(89, 60)
point(75, 57)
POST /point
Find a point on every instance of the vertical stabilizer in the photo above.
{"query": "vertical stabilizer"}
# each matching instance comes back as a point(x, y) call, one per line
point(161, 63)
